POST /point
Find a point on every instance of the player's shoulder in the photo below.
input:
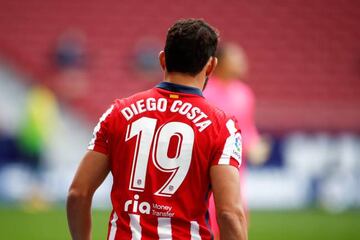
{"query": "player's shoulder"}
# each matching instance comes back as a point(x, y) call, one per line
point(113, 112)
point(214, 110)
point(218, 116)
point(121, 102)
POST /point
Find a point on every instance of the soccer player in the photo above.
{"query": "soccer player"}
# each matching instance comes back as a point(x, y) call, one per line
point(167, 149)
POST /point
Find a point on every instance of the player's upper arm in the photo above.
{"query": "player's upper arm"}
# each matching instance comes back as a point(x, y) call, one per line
point(230, 214)
point(95, 165)
point(225, 182)
point(91, 172)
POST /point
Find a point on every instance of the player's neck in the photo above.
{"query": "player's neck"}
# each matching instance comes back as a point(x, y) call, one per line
point(185, 79)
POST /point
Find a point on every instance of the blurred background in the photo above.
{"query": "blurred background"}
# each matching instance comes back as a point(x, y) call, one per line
point(62, 63)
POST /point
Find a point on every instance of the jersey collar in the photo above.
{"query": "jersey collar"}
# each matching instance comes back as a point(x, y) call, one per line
point(173, 87)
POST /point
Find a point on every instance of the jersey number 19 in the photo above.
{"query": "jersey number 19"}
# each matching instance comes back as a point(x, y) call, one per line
point(150, 140)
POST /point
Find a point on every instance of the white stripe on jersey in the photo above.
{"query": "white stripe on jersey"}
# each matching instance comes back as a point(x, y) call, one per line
point(135, 226)
point(229, 143)
point(225, 156)
point(164, 229)
point(194, 231)
point(113, 227)
point(97, 127)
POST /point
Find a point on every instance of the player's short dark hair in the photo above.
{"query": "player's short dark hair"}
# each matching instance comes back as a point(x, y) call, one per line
point(189, 45)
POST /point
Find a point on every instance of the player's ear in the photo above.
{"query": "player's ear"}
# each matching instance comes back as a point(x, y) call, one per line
point(211, 65)
point(162, 60)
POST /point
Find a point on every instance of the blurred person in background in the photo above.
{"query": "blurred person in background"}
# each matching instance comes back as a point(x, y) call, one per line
point(227, 90)
point(69, 57)
point(38, 124)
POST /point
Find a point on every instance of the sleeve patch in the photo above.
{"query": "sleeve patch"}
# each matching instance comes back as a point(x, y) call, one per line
point(237, 149)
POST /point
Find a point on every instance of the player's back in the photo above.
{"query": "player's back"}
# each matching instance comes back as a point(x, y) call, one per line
point(161, 144)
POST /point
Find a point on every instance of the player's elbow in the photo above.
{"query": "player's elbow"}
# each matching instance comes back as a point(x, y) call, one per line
point(233, 221)
point(78, 196)
point(231, 217)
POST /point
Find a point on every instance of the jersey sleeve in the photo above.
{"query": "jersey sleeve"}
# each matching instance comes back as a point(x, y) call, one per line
point(101, 133)
point(228, 149)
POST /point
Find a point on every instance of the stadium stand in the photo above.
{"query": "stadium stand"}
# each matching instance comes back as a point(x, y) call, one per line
point(304, 70)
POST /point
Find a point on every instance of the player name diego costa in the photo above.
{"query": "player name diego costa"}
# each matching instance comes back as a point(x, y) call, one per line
point(193, 113)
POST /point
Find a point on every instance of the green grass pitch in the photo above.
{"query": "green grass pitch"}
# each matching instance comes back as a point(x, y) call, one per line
point(274, 225)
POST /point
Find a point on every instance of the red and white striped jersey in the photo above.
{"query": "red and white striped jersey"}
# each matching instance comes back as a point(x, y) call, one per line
point(161, 144)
